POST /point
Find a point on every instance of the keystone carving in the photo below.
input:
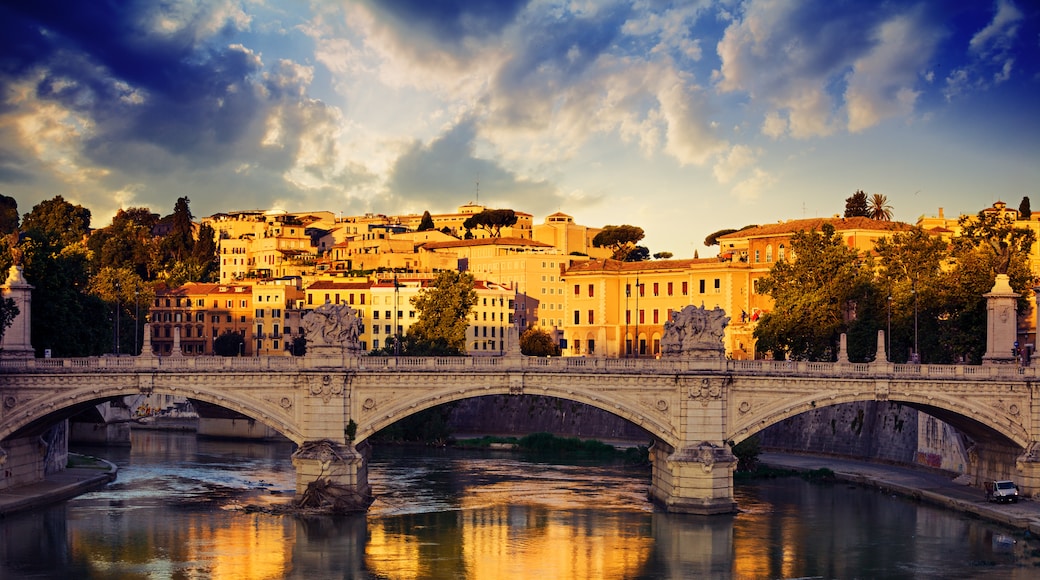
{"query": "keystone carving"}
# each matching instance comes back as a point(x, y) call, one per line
point(705, 390)
point(325, 387)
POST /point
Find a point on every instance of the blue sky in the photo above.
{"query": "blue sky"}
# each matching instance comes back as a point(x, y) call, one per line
point(679, 117)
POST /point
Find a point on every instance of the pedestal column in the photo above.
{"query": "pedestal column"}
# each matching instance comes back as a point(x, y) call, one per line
point(16, 340)
point(1001, 322)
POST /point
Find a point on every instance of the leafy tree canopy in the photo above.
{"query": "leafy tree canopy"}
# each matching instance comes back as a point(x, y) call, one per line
point(813, 296)
point(1024, 211)
point(713, 238)
point(492, 220)
point(8, 215)
point(537, 342)
point(622, 239)
point(857, 205)
point(444, 308)
point(228, 344)
point(638, 254)
point(998, 234)
point(426, 223)
point(57, 222)
point(662, 255)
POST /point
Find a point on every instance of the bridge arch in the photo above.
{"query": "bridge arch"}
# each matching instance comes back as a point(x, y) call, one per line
point(34, 413)
point(374, 415)
point(992, 424)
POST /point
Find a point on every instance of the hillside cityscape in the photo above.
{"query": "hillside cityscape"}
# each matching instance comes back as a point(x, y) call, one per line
point(240, 282)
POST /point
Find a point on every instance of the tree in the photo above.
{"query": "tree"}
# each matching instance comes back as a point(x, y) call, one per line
point(127, 242)
point(878, 208)
point(8, 215)
point(492, 220)
point(857, 205)
point(1024, 211)
point(426, 223)
point(638, 254)
point(662, 255)
point(180, 241)
point(713, 238)
point(8, 312)
point(537, 342)
point(122, 290)
point(815, 296)
point(229, 344)
point(996, 233)
point(57, 222)
point(622, 239)
point(444, 309)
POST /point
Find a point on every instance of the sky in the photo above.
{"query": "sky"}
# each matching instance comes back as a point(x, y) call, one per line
point(682, 118)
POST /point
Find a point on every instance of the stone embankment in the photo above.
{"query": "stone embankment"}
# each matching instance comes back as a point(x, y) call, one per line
point(926, 485)
point(92, 473)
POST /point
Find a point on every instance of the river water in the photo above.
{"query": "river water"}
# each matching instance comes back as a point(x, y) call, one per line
point(176, 511)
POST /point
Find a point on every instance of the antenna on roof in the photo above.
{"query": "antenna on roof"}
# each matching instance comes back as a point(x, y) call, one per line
point(478, 188)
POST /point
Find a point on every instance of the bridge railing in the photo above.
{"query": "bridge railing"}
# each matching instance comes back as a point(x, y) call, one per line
point(130, 364)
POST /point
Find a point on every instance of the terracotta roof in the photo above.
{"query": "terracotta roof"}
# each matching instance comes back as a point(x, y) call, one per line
point(332, 285)
point(811, 224)
point(485, 242)
point(649, 265)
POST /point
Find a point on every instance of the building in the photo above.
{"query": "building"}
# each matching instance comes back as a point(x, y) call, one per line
point(618, 309)
point(277, 315)
point(201, 313)
point(560, 231)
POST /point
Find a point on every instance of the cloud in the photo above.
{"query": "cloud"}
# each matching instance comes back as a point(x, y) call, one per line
point(990, 52)
point(881, 84)
point(809, 63)
point(739, 158)
point(446, 172)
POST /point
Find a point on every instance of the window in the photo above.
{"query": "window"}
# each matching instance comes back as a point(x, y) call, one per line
point(577, 317)
point(656, 289)
point(577, 346)
point(655, 316)
point(591, 317)
point(375, 329)
point(685, 288)
point(780, 253)
point(375, 315)
point(769, 253)
point(757, 257)
point(592, 346)
point(642, 290)
point(375, 343)
point(718, 285)
point(641, 319)
point(386, 329)
point(387, 313)
point(628, 317)
point(259, 313)
point(669, 288)
point(702, 286)
point(592, 291)
point(577, 289)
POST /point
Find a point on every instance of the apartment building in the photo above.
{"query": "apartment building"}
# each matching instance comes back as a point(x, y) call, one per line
point(202, 312)
point(618, 309)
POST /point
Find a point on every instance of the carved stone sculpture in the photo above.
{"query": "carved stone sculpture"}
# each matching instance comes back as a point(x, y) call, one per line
point(333, 325)
point(695, 331)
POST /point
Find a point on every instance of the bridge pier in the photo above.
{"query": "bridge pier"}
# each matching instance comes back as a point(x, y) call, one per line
point(332, 476)
point(693, 480)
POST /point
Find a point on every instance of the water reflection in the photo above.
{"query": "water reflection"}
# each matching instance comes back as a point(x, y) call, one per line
point(175, 512)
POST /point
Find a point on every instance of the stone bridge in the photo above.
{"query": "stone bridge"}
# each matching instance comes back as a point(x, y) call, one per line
point(695, 409)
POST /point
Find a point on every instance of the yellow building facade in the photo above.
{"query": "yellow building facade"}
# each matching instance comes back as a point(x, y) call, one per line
point(618, 309)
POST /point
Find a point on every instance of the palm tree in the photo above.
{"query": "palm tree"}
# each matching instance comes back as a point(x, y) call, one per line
point(878, 208)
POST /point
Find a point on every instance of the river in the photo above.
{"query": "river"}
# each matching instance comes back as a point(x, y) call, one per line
point(177, 511)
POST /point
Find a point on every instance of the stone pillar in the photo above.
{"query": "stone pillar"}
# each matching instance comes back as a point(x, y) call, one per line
point(1027, 467)
point(16, 342)
point(176, 352)
point(694, 480)
point(331, 477)
point(843, 348)
point(1001, 322)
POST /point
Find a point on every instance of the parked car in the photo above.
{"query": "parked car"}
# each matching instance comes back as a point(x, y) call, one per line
point(1001, 491)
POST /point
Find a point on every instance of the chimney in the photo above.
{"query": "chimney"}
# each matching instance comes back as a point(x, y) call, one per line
point(941, 214)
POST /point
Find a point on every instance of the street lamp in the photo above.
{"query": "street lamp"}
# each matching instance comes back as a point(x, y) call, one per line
point(888, 335)
point(917, 353)
point(137, 313)
point(639, 351)
point(117, 317)
point(628, 315)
